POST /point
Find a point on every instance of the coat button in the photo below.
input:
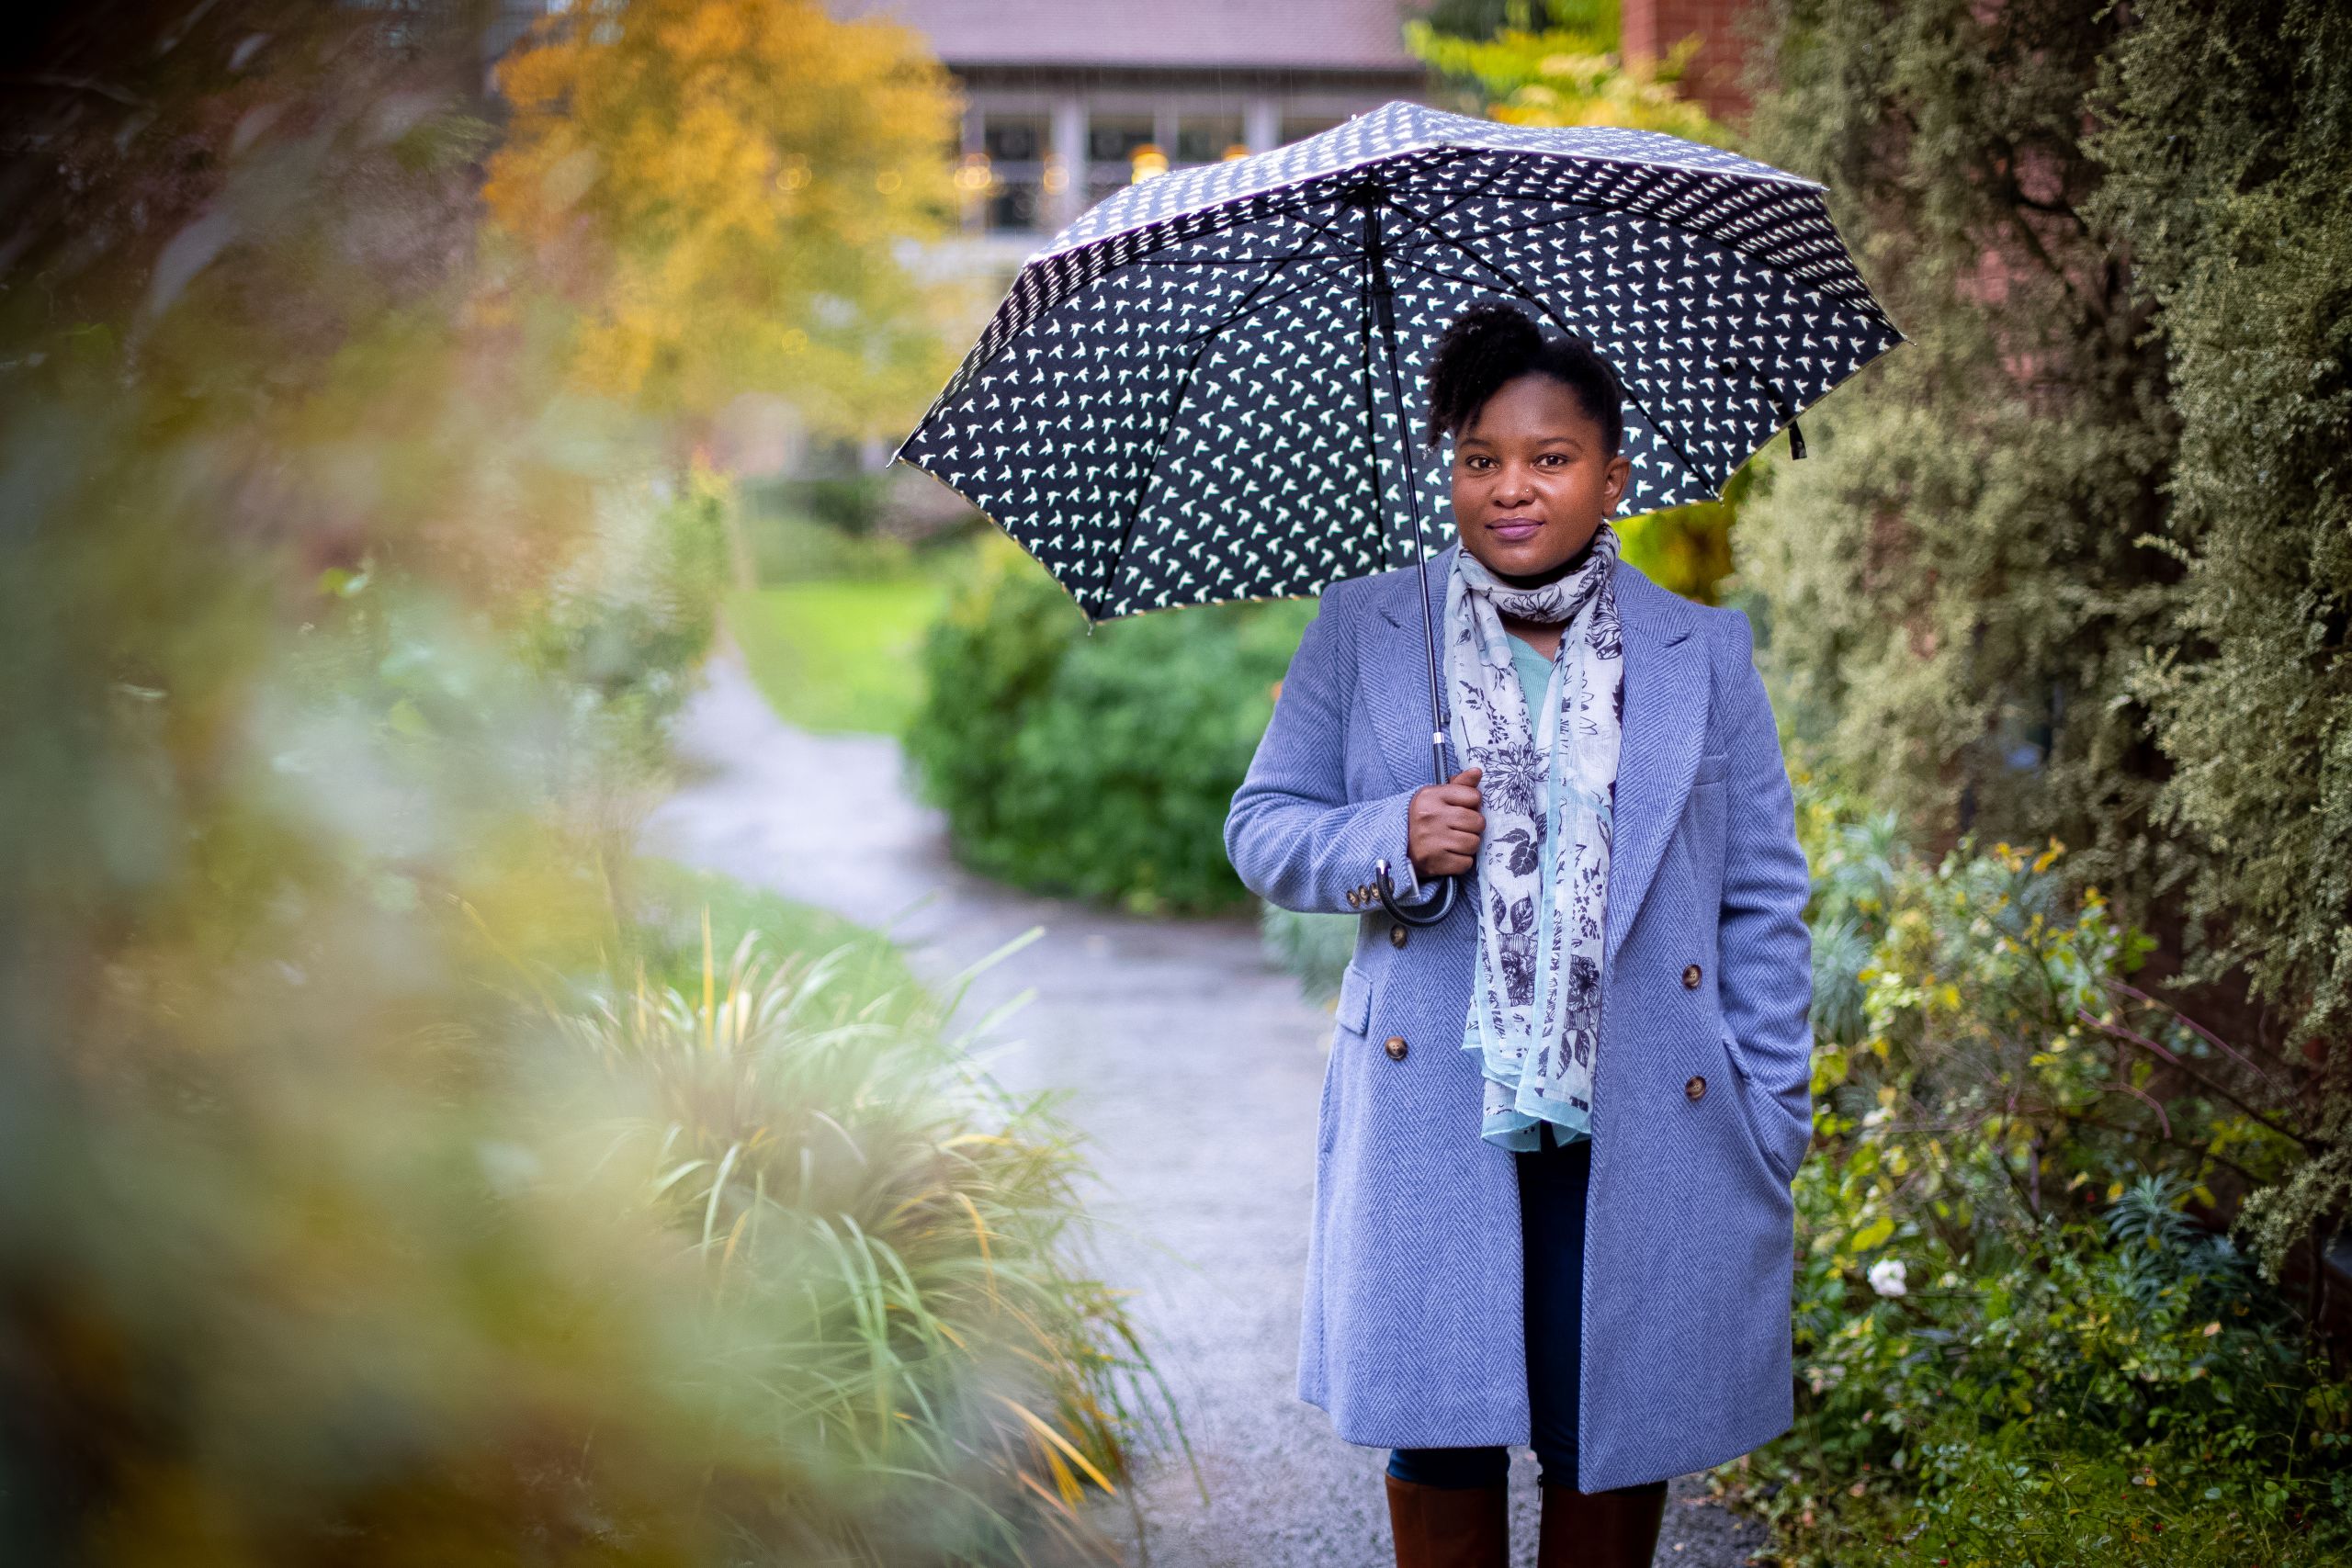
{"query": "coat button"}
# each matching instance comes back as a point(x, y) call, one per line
point(1690, 983)
point(1396, 935)
point(1395, 1047)
point(1696, 1087)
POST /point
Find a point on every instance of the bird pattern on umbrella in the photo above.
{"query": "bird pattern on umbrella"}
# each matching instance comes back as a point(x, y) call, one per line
point(1176, 402)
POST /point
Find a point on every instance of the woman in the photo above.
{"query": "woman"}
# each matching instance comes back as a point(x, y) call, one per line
point(1558, 1127)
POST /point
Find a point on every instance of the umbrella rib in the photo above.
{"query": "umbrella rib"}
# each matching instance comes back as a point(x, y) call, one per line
point(1242, 210)
point(1467, 196)
point(1241, 213)
point(1245, 309)
point(1516, 286)
point(1866, 302)
point(1298, 210)
point(1183, 392)
point(973, 372)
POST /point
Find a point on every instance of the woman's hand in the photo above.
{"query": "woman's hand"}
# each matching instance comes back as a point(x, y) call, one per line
point(1441, 826)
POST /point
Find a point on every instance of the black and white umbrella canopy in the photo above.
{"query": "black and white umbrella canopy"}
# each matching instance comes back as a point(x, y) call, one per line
point(1184, 397)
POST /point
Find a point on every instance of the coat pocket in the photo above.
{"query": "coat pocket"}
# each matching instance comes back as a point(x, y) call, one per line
point(1764, 1123)
point(1355, 999)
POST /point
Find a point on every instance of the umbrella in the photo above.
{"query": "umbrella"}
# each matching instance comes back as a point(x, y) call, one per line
point(1199, 390)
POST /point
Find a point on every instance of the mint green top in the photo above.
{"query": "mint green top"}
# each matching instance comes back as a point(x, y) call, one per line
point(1535, 680)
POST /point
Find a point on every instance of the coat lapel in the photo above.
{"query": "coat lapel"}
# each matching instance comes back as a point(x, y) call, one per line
point(1665, 722)
point(1666, 718)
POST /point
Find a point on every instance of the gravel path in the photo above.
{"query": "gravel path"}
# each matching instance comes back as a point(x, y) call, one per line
point(1197, 1068)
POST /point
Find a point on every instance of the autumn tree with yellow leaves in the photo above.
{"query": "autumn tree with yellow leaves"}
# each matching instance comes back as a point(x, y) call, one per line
point(721, 190)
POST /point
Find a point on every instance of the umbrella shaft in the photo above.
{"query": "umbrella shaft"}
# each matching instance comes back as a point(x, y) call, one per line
point(1383, 308)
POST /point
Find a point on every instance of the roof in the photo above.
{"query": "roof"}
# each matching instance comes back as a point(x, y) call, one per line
point(1313, 35)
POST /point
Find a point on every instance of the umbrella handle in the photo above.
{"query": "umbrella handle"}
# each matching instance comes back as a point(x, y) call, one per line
point(1412, 914)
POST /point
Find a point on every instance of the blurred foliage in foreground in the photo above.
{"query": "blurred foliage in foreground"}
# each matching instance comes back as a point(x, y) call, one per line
point(384, 1177)
point(2020, 1333)
point(1096, 764)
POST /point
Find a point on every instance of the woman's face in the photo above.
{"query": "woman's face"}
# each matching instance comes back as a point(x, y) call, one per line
point(1531, 480)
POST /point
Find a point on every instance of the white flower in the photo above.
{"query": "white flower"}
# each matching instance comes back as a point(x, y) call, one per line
point(1886, 1277)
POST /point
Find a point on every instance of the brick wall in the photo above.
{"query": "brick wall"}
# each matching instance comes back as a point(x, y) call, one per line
point(1653, 26)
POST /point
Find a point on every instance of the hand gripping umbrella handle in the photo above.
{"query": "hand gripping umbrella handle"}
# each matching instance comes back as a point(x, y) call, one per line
point(1428, 912)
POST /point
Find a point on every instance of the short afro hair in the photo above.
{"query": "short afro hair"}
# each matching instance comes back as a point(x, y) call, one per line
point(1490, 344)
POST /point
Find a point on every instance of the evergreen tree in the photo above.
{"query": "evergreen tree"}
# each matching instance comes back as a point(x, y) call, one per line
point(1961, 576)
point(2228, 143)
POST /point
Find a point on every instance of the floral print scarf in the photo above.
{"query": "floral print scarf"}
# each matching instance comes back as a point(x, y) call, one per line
point(1548, 788)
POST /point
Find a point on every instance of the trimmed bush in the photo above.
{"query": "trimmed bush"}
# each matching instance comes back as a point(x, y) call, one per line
point(1095, 763)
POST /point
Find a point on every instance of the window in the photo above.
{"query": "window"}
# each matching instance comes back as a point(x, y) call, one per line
point(1012, 163)
point(1014, 206)
point(1112, 138)
point(1203, 139)
point(1014, 138)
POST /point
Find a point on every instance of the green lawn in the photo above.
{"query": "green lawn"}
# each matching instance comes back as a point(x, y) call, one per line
point(839, 655)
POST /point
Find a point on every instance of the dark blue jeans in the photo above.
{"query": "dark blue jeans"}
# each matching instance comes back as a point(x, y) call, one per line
point(1552, 1182)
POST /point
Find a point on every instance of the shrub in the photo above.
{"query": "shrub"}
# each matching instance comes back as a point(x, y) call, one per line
point(2003, 1302)
point(1097, 763)
point(787, 546)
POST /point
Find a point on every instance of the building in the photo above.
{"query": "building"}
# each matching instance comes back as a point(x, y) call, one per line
point(1067, 100)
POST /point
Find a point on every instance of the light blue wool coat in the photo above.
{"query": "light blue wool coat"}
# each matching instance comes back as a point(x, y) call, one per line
point(1412, 1329)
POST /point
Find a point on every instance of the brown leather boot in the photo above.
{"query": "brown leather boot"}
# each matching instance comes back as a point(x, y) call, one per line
point(1598, 1529)
point(1449, 1527)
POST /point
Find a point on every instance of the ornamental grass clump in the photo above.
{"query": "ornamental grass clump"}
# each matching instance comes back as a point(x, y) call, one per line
point(887, 1241)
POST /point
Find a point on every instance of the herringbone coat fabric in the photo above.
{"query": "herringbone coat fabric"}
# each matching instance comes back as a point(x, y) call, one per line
point(1412, 1332)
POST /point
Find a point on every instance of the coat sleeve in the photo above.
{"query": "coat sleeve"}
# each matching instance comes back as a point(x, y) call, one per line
point(1767, 949)
point(1293, 835)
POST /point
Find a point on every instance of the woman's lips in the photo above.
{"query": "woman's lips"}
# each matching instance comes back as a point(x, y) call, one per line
point(1514, 528)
